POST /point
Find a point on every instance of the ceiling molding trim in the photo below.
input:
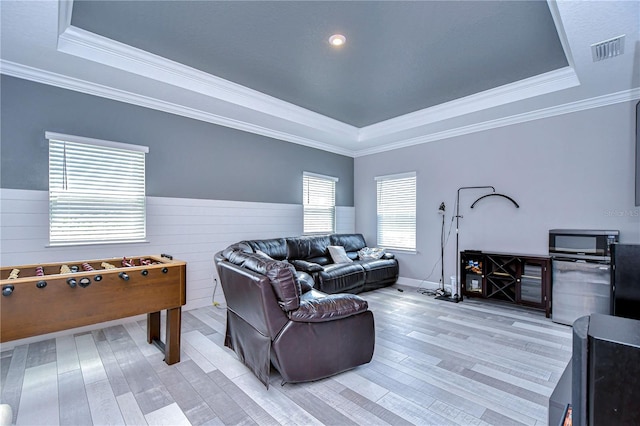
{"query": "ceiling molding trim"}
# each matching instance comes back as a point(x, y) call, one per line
point(597, 102)
point(562, 34)
point(552, 81)
point(96, 48)
point(53, 79)
point(58, 80)
point(65, 11)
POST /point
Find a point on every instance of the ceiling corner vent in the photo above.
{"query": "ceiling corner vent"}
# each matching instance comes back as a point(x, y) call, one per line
point(608, 49)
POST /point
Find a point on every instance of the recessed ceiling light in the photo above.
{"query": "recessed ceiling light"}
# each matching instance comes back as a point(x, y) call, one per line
point(337, 40)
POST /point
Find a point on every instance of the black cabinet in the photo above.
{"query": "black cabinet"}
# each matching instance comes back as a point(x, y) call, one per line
point(515, 278)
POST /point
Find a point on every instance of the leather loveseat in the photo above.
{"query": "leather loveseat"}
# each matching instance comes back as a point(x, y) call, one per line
point(310, 254)
point(275, 317)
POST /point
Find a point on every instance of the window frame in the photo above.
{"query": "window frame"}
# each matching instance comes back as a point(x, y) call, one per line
point(102, 191)
point(384, 241)
point(307, 177)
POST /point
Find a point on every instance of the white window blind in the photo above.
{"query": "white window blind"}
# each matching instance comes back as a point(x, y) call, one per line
point(96, 191)
point(319, 200)
point(397, 211)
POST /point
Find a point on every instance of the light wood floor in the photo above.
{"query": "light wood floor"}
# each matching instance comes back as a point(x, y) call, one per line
point(435, 362)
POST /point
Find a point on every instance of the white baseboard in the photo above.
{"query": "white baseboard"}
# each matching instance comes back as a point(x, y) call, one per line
point(412, 282)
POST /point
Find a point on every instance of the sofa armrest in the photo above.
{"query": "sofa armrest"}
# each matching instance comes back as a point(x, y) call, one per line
point(329, 308)
point(388, 256)
point(308, 267)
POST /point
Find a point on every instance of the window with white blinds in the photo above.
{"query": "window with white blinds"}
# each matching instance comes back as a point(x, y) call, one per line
point(397, 211)
point(96, 191)
point(319, 200)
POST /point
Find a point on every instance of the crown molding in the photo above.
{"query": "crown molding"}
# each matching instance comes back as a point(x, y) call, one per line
point(96, 48)
point(562, 34)
point(596, 102)
point(65, 11)
point(70, 83)
point(549, 82)
point(53, 79)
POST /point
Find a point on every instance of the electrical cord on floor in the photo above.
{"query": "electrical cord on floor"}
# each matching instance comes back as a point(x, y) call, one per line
point(213, 297)
point(443, 244)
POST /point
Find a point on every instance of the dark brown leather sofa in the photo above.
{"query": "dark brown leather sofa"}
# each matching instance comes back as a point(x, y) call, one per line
point(309, 254)
point(275, 317)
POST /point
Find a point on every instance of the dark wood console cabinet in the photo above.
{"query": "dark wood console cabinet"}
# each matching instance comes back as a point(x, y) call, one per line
point(516, 278)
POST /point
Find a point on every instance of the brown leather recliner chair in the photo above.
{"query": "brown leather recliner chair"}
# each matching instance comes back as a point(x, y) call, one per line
point(274, 317)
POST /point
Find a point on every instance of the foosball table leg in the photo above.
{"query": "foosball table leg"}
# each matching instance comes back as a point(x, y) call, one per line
point(153, 327)
point(172, 344)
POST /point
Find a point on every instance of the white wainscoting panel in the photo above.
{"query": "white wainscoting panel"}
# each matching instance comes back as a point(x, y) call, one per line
point(345, 220)
point(192, 230)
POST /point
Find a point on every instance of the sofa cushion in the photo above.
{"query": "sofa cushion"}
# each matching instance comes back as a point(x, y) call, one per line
point(282, 277)
point(350, 242)
point(284, 282)
point(303, 265)
point(338, 254)
point(237, 257)
point(306, 282)
point(239, 247)
point(340, 278)
point(379, 270)
point(275, 247)
point(307, 247)
point(321, 260)
point(329, 308)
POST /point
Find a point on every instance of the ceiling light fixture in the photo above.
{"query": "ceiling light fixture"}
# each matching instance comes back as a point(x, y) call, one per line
point(337, 40)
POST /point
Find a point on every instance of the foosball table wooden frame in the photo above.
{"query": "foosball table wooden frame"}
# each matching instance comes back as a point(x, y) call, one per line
point(45, 298)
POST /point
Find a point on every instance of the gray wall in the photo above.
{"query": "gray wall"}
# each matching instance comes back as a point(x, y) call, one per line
point(570, 171)
point(187, 158)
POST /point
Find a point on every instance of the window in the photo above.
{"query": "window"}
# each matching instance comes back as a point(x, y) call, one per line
point(319, 200)
point(397, 211)
point(96, 191)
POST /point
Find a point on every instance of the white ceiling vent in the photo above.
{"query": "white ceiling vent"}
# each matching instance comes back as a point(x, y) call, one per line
point(608, 49)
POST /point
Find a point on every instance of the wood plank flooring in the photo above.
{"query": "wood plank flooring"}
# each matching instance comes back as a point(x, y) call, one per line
point(435, 362)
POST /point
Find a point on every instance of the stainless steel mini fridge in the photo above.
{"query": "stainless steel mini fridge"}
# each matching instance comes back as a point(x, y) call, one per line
point(579, 288)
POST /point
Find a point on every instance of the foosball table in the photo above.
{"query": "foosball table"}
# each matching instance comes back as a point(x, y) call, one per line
point(45, 298)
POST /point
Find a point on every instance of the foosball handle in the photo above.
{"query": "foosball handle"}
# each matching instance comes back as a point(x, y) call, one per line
point(7, 290)
point(123, 276)
point(168, 256)
point(72, 282)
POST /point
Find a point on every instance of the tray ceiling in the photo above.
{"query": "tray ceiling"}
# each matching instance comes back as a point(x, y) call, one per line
point(399, 57)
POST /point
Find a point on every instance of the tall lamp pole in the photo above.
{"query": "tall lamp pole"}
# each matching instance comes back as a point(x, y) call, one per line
point(458, 285)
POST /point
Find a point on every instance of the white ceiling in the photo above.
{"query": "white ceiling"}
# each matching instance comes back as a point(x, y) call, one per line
point(39, 43)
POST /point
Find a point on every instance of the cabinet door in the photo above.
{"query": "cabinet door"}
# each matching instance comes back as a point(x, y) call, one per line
point(532, 282)
point(501, 276)
point(472, 273)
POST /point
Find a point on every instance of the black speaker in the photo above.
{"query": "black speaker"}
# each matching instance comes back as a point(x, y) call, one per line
point(613, 371)
point(579, 360)
point(625, 297)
